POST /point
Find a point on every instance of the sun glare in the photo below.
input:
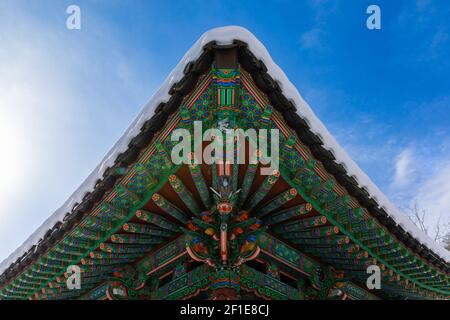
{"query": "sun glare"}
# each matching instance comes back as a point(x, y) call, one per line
point(12, 155)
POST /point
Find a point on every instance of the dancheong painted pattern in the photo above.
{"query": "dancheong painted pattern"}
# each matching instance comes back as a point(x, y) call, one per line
point(221, 231)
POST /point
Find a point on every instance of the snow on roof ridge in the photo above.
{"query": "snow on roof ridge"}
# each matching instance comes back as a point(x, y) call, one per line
point(224, 36)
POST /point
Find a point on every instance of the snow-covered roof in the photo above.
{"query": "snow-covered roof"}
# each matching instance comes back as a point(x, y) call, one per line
point(224, 36)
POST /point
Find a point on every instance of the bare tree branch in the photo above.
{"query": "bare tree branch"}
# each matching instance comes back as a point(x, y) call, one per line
point(438, 237)
point(417, 215)
point(441, 233)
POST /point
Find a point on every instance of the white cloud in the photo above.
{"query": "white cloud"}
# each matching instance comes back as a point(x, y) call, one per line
point(65, 97)
point(422, 180)
point(422, 4)
point(425, 24)
point(324, 8)
point(433, 196)
point(404, 168)
point(311, 39)
point(418, 173)
point(439, 38)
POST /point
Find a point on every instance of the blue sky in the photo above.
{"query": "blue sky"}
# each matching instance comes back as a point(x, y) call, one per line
point(67, 96)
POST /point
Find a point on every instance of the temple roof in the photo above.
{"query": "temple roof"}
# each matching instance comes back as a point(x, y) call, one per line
point(298, 113)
